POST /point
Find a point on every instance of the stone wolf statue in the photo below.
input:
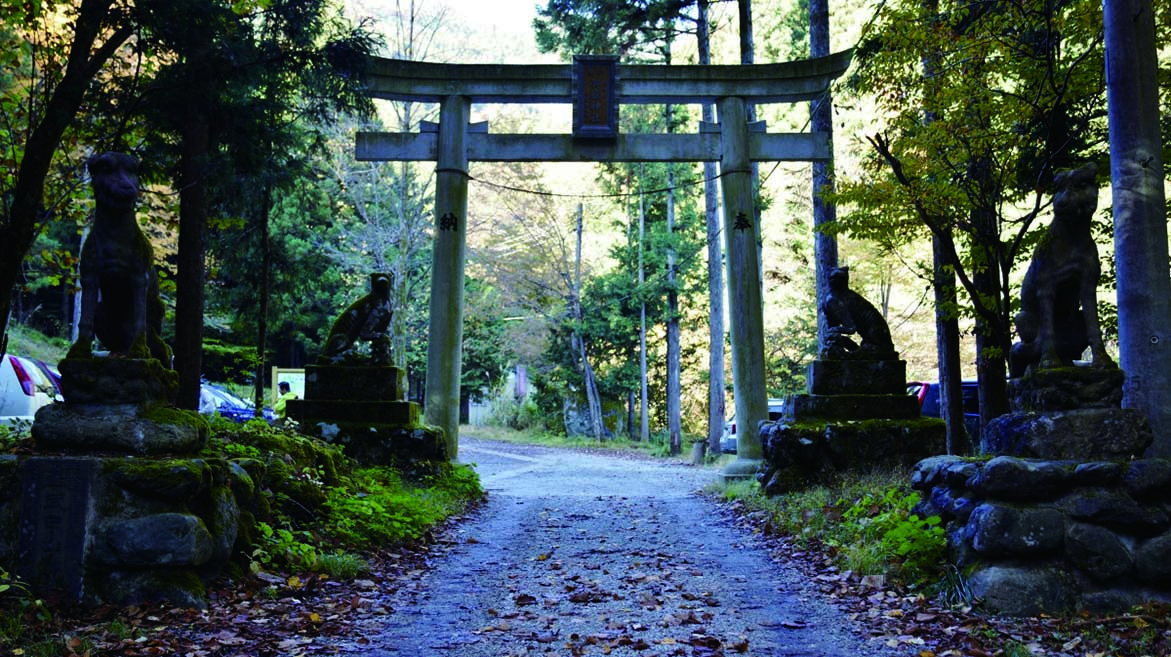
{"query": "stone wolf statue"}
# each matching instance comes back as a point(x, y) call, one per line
point(848, 313)
point(1059, 303)
point(366, 319)
point(120, 302)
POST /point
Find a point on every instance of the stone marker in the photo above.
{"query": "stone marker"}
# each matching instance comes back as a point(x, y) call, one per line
point(54, 512)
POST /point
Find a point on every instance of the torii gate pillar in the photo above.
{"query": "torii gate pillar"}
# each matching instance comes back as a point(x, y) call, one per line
point(744, 297)
point(445, 343)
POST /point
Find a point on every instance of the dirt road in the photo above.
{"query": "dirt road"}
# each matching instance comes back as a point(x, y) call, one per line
point(586, 554)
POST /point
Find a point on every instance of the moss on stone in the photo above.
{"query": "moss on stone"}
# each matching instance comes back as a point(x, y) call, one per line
point(169, 479)
point(169, 415)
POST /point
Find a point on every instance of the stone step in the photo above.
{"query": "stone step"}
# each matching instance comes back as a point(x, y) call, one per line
point(855, 407)
point(312, 411)
point(356, 383)
point(858, 377)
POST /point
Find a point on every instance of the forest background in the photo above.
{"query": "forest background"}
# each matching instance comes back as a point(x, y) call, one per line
point(292, 224)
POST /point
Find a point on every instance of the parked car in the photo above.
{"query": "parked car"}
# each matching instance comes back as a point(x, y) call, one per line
point(232, 407)
point(26, 384)
point(776, 409)
point(928, 395)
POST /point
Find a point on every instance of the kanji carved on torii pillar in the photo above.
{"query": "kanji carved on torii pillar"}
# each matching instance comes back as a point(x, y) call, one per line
point(734, 143)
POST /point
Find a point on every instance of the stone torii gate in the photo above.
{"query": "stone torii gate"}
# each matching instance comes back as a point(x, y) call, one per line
point(597, 86)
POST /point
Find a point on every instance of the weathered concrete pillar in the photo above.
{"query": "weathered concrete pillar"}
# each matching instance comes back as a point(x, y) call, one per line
point(744, 302)
point(445, 343)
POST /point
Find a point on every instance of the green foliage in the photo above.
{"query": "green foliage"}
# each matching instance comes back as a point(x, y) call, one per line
point(15, 434)
point(521, 414)
point(962, 155)
point(283, 548)
point(11, 585)
point(316, 513)
point(484, 347)
point(225, 362)
point(31, 343)
point(18, 610)
point(377, 507)
point(865, 522)
point(918, 546)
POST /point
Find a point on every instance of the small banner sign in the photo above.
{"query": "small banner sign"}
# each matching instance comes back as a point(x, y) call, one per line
point(595, 96)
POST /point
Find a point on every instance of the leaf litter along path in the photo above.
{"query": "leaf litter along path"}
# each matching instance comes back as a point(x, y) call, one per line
point(588, 554)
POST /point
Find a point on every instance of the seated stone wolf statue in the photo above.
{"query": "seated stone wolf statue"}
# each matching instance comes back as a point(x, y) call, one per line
point(848, 313)
point(366, 319)
point(120, 302)
point(1059, 303)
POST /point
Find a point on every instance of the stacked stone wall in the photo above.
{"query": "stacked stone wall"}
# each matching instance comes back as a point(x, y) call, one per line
point(1054, 536)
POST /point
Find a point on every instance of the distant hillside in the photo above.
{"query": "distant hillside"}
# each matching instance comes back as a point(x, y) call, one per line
point(24, 341)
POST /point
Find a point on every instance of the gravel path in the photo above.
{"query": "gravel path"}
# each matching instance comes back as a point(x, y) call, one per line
point(586, 554)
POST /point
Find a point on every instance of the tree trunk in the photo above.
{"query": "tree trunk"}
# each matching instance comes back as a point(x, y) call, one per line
point(674, 411)
point(947, 349)
point(717, 400)
point(262, 311)
point(644, 433)
point(825, 245)
point(1140, 221)
point(189, 281)
point(402, 264)
point(991, 356)
point(591, 385)
point(630, 414)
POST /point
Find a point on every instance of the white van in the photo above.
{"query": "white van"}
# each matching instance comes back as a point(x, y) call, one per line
point(25, 386)
point(776, 410)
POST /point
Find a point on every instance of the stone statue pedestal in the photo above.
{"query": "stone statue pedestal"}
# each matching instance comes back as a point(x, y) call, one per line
point(1066, 515)
point(119, 405)
point(857, 415)
point(363, 408)
point(124, 512)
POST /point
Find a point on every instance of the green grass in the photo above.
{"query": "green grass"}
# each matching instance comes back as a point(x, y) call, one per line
point(31, 343)
point(343, 566)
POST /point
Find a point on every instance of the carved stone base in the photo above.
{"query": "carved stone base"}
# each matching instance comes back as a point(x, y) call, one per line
point(126, 530)
point(311, 411)
point(855, 390)
point(848, 377)
point(92, 428)
point(141, 381)
point(807, 453)
point(411, 449)
point(359, 383)
point(1066, 389)
point(364, 409)
point(855, 407)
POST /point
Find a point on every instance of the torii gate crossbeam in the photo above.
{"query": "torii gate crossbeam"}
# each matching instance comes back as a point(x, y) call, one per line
point(734, 143)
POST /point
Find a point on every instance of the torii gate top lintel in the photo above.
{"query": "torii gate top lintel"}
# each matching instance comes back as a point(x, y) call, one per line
point(786, 82)
point(790, 82)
